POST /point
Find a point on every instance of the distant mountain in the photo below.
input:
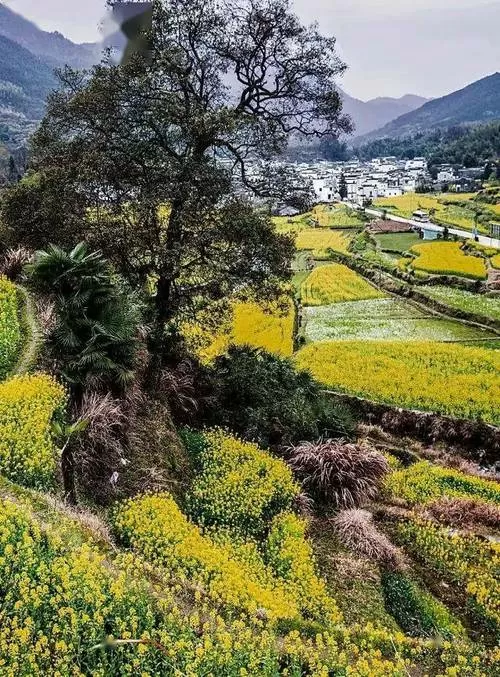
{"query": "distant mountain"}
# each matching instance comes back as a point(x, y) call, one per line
point(478, 102)
point(28, 58)
point(370, 115)
point(53, 48)
point(25, 81)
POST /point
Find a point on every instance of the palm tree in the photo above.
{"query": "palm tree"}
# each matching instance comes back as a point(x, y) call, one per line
point(95, 338)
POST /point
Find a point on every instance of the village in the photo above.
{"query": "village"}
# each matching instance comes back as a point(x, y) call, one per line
point(377, 178)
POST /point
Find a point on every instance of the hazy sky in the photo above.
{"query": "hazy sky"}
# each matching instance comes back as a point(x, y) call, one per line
point(393, 47)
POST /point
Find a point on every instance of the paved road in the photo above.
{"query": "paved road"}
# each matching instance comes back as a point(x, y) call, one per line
point(483, 239)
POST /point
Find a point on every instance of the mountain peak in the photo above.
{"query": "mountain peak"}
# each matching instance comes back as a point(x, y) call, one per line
point(474, 103)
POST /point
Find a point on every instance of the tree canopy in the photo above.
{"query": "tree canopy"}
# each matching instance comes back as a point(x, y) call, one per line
point(144, 154)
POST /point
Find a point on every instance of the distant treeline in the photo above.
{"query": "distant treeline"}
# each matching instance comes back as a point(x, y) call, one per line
point(467, 146)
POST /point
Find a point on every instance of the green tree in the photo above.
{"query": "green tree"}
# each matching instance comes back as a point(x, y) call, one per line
point(140, 144)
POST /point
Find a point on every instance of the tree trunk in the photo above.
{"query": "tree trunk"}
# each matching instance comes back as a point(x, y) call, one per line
point(68, 475)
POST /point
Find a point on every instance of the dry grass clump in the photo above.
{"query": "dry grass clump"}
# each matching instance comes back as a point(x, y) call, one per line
point(13, 262)
point(465, 512)
point(357, 532)
point(336, 474)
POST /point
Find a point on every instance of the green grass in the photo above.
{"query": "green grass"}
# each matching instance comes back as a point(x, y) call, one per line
point(466, 301)
point(384, 319)
point(397, 242)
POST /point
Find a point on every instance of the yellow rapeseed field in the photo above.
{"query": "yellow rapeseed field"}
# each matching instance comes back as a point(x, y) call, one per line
point(27, 406)
point(334, 283)
point(322, 238)
point(266, 327)
point(447, 378)
point(466, 560)
point(10, 328)
point(447, 258)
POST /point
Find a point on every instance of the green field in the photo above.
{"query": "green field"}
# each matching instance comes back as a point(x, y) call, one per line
point(465, 300)
point(384, 319)
point(397, 242)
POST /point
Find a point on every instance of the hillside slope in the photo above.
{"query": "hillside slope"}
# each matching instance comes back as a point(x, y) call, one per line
point(25, 81)
point(53, 48)
point(478, 102)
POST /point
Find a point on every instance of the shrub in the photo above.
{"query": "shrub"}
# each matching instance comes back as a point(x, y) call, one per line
point(465, 512)
point(155, 528)
point(337, 474)
point(264, 399)
point(28, 404)
point(356, 531)
point(240, 487)
point(417, 612)
point(10, 328)
point(13, 262)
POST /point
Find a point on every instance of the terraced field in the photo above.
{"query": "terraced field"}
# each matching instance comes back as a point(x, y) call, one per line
point(320, 239)
point(335, 283)
point(459, 299)
point(269, 327)
point(447, 258)
point(385, 319)
point(322, 216)
point(444, 208)
point(450, 379)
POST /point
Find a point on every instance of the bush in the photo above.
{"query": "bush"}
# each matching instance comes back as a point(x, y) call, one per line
point(240, 487)
point(337, 474)
point(27, 406)
point(356, 531)
point(417, 612)
point(264, 399)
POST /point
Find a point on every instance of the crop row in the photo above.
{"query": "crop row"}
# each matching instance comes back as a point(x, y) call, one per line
point(28, 405)
point(424, 482)
point(10, 329)
point(469, 563)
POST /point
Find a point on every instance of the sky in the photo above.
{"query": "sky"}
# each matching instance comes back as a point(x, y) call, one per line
point(392, 47)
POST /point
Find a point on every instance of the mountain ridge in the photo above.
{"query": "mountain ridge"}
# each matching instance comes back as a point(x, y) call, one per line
point(55, 49)
point(374, 113)
point(477, 102)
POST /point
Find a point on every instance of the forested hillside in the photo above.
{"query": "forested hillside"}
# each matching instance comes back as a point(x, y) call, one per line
point(471, 147)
